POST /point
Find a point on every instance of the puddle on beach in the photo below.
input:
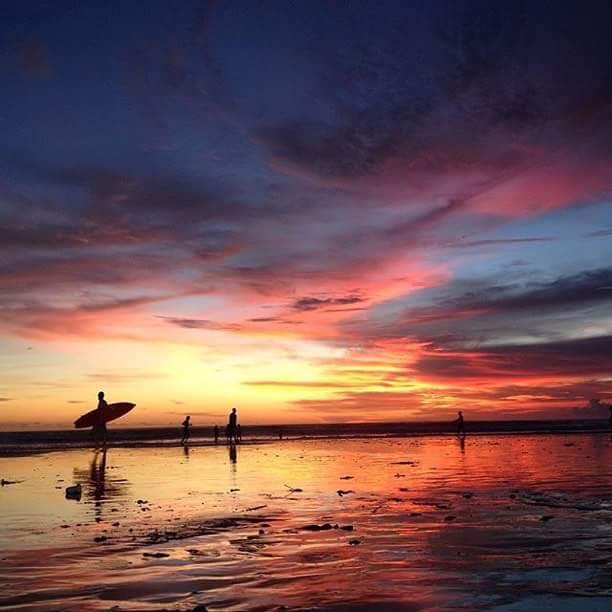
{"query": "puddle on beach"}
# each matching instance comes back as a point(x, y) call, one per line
point(507, 522)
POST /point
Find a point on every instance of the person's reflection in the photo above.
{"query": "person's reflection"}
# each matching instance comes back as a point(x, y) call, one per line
point(186, 452)
point(462, 444)
point(99, 484)
point(97, 475)
point(233, 455)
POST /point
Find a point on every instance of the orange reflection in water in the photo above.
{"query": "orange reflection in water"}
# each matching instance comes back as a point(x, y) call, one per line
point(434, 523)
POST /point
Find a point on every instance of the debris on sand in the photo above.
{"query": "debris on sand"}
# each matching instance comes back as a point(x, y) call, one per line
point(346, 477)
point(546, 518)
point(341, 492)
point(5, 483)
point(74, 492)
point(398, 475)
point(347, 527)
point(100, 539)
point(354, 542)
point(324, 527)
point(294, 490)
point(403, 463)
point(156, 555)
point(256, 508)
point(449, 518)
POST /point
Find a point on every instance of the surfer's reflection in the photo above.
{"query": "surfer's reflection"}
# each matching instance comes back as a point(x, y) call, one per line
point(233, 455)
point(97, 476)
point(98, 487)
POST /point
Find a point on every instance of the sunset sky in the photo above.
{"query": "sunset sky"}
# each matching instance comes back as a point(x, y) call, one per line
point(313, 211)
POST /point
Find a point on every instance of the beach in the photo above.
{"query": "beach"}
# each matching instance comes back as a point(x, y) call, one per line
point(505, 522)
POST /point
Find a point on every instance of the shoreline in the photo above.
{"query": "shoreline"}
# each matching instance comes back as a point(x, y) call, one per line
point(16, 450)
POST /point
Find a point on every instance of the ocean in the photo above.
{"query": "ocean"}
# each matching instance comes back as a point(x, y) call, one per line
point(30, 441)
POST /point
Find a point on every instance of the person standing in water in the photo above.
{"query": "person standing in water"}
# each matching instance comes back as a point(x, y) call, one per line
point(99, 429)
point(232, 424)
point(186, 426)
point(216, 434)
point(460, 424)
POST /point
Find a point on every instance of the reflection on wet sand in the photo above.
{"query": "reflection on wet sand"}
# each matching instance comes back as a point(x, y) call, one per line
point(346, 525)
point(98, 487)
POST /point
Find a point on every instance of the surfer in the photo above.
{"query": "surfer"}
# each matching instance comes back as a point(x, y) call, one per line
point(231, 426)
point(216, 434)
point(186, 426)
point(99, 429)
point(460, 424)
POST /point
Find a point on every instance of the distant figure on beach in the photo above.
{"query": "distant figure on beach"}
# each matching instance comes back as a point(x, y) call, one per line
point(280, 434)
point(460, 424)
point(216, 434)
point(99, 429)
point(186, 428)
point(610, 418)
point(238, 433)
point(232, 425)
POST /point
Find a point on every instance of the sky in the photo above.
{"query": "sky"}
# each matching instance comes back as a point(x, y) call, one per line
point(313, 211)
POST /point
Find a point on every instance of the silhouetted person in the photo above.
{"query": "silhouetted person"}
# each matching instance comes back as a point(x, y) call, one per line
point(238, 433)
point(99, 429)
point(280, 434)
point(186, 427)
point(232, 424)
point(460, 424)
point(216, 434)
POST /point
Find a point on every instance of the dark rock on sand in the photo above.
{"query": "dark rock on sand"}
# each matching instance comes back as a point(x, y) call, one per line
point(156, 555)
point(547, 517)
point(449, 518)
point(354, 542)
point(100, 539)
point(324, 527)
point(342, 492)
point(347, 527)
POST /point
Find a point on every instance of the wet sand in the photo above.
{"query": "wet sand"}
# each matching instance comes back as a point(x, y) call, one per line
point(507, 523)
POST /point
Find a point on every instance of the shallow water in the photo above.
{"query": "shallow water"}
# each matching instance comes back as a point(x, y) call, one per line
point(512, 522)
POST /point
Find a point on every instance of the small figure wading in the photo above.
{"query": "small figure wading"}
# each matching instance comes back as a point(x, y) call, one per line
point(186, 429)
